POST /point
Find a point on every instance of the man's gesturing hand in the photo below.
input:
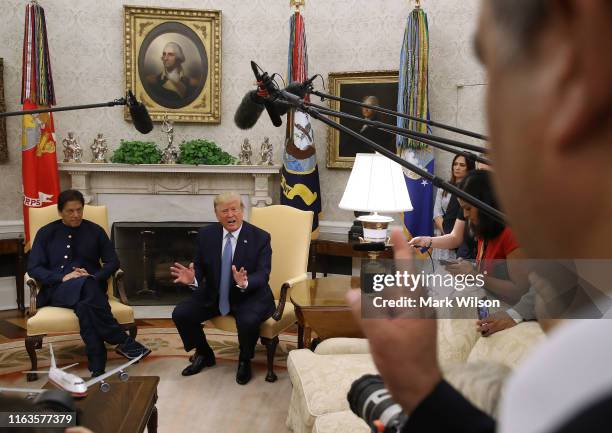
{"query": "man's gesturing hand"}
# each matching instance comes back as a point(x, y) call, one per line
point(240, 276)
point(403, 349)
point(182, 274)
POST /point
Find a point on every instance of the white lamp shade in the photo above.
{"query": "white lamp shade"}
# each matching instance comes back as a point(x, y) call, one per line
point(376, 184)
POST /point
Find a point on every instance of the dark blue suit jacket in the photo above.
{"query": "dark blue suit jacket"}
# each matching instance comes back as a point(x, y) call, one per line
point(253, 252)
point(57, 249)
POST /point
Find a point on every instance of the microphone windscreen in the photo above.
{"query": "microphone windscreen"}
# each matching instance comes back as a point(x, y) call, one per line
point(297, 89)
point(140, 117)
point(248, 111)
point(369, 246)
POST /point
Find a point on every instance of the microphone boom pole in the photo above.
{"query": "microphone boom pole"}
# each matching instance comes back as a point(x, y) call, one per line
point(120, 101)
point(432, 140)
point(300, 104)
point(398, 114)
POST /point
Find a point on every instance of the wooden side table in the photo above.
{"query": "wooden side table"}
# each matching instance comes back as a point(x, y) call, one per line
point(335, 245)
point(12, 243)
point(320, 307)
point(128, 407)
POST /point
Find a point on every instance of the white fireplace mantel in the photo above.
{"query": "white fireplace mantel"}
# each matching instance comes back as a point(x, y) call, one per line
point(149, 192)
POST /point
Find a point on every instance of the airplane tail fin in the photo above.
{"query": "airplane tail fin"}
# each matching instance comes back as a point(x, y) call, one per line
point(52, 356)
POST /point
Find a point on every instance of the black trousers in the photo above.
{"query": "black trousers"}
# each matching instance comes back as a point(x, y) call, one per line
point(189, 314)
point(97, 323)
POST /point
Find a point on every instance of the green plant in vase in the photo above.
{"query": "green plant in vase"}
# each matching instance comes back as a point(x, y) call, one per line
point(137, 152)
point(203, 152)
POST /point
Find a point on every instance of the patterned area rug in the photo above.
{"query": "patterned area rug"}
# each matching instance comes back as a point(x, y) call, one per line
point(162, 341)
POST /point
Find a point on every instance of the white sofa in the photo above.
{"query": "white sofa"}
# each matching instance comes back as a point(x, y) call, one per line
point(474, 365)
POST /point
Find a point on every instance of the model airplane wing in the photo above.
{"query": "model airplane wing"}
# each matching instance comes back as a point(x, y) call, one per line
point(69, 366)
point(111, 372)
point(24, 390)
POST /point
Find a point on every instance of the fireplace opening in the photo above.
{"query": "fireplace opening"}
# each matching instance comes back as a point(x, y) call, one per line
point(146, 251)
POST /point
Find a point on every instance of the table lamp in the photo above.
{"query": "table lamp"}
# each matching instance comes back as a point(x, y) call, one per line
point(376, 184)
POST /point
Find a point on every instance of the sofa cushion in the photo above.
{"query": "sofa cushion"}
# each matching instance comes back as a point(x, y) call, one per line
point(509, 346)
point(341, 345)
point(321, 383)
point(456, 338)
point(340, 422)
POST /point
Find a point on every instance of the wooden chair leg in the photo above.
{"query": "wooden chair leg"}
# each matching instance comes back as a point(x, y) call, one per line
point(300, 336)
point(270, 344)
point(32, 343)
point(132, 329)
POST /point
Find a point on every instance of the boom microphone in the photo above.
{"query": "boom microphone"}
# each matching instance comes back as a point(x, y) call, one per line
point(265, 87)
point(249, 110)
point(139, 114)
point(252, 105)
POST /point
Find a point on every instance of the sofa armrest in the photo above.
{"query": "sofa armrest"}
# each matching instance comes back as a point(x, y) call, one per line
point(118, 279)
point(278, 314)
point(34, 288)
point(343, 346)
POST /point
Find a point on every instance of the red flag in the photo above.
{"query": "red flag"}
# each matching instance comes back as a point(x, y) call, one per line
point(38, 162)
point(38, 144)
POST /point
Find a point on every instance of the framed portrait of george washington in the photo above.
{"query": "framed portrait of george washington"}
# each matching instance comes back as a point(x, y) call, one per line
point(370, 87)
point(173, 62)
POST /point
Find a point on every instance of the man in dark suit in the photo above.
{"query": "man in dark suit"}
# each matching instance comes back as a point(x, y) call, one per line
point(66, 259)
point(230, 275)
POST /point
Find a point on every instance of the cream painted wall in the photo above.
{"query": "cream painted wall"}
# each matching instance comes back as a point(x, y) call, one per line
point(86, 44)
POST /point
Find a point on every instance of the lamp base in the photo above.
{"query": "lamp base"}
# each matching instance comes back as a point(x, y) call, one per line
point(375, 227)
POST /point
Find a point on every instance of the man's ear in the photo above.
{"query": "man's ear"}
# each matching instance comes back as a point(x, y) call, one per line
point(581, 70)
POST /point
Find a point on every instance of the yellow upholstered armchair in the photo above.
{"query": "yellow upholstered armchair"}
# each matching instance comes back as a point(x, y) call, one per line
point(56, 320)
point(289, 230)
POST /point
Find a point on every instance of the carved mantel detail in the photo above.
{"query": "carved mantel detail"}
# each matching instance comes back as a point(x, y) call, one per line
point(94, 180)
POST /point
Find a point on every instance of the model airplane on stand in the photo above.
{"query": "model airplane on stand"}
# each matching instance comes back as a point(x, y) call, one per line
point(71, 382)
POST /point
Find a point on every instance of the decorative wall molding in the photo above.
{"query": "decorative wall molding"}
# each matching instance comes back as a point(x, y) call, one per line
point(10, 227)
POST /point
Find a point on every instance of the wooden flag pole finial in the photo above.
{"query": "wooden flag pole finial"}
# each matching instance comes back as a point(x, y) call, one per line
point(418, 3)
point(297, 4)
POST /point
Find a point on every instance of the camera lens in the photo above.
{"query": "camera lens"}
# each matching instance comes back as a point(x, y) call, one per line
point(370, 400)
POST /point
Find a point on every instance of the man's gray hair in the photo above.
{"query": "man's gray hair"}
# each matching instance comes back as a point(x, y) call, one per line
point(226, 197)
point(176, 49)
point(371, 100)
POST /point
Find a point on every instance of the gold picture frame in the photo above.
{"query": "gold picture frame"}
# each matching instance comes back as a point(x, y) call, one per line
point(173, 62)
point(3, 144)
point(341, 147)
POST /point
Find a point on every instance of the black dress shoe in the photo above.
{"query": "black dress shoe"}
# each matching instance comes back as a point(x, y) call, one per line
point(97, 373)
point(243, 375)
point(198, 363)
